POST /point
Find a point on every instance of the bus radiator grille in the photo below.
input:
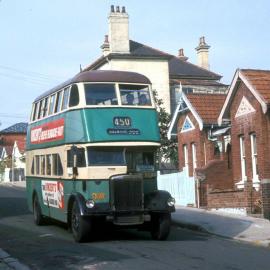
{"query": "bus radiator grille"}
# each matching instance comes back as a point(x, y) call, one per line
point(128, 194)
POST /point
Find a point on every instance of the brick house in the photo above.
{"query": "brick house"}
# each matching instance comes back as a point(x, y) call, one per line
point(246, 108)
point(12, 140)
point(197, 122)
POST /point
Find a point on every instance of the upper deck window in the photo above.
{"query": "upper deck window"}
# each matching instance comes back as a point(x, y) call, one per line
point(52, 102)
point(65, 98)
point(74, 96)
point(100, 94)
point(135, 95)
point(58, 101)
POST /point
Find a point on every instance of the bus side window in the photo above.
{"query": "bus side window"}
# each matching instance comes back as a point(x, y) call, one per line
point(33, 167)
point(74, 96)
point(42, 167)
point(58, 101)
point(57, 165)
point(80, 158)
point(37, 165)
point(51, 107)
point(40, 111)
point(65, 98)
point(48, 164)
point(34, 112)
point(45, 109)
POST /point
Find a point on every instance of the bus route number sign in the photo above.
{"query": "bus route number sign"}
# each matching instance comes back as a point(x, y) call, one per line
point(122, 121)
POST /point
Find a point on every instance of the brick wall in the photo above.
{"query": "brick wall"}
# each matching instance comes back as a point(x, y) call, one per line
point(255, 122)
point(204, 147)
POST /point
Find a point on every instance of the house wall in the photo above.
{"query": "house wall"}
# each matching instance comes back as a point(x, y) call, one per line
point(204, 147)
point(254, 122)
point(156, 70)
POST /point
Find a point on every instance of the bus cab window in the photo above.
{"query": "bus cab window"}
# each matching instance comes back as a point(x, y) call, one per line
point(74, 96)
point(100, 94)
point(57, 165)
point(140, 161)
point(135, 95)
point(104, 157)
point(80, 158)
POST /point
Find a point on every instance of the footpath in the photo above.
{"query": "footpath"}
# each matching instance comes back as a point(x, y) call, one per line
point(241, 228)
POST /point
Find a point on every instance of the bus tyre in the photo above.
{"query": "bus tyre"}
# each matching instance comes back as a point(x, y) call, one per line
point(38, 218)
point(160, 226)
point(80, 226)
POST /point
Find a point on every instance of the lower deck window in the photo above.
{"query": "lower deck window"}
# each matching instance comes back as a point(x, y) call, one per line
point(103, 157)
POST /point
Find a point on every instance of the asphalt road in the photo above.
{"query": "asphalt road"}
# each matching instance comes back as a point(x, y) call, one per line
point(52, 246)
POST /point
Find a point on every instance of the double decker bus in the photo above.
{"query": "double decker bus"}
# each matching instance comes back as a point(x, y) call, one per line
point(91, 145)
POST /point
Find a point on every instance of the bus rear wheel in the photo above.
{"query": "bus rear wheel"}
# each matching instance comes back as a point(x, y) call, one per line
point(160, 226)
point(38, 218)
point(80, 226)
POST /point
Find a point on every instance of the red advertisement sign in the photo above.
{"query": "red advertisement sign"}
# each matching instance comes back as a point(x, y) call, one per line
point(48, 132)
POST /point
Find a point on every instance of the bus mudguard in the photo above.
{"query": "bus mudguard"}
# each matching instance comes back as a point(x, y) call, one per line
point(159, 201)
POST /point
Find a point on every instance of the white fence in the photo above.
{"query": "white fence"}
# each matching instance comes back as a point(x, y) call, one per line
point(180, 185)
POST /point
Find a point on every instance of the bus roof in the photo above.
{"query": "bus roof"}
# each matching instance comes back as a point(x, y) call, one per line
point(100, 76)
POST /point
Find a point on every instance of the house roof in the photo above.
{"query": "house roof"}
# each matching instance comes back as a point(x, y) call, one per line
point(194, 82)
point(204, 107)
point(260, 81)
point(207, 106)
point(257, 81)
point(16, 128)
point(177, 67)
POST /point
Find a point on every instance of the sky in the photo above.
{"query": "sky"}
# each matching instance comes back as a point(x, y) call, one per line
point(43, 43)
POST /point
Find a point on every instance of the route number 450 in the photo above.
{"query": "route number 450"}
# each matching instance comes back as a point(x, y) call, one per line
point(121, 121)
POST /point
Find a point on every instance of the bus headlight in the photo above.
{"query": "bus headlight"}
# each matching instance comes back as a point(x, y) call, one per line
point(171, 202)
point(90, 203)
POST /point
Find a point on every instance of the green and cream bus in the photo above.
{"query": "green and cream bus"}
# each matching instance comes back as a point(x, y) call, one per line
point(91, 146)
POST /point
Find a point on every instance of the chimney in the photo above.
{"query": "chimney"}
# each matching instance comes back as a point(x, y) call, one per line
point(202, 52)
point(181, 55)
point(118, 30)
point(105, 46)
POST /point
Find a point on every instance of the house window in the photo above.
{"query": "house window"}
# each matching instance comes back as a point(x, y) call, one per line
point(194, 156)
point(253, 140)
point(243, 158)
point(185, 152)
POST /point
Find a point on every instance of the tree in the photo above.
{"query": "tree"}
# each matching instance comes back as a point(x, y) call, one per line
point(168, 152)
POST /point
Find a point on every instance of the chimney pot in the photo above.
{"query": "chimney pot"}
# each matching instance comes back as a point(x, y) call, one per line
point(181, 55)
point(118, 9)
point(112, 8)
point(123, 9)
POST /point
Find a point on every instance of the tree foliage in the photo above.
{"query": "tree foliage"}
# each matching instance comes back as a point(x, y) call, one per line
point(168, 151)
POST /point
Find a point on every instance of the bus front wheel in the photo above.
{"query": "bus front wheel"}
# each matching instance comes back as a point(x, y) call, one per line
point(160, 226)
point(80, 226)
point(38, 218)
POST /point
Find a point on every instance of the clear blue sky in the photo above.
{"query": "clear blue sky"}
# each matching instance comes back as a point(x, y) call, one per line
point(44, 42)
